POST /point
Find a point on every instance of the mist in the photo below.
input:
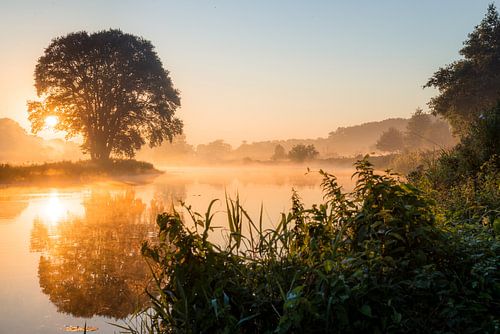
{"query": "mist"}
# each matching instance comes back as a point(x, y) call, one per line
point(19, 147)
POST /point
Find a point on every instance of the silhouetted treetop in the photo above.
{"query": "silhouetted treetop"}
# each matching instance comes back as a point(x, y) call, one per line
point(110, 88)
point(300, 153)
point(391, 140)
point(472, 84)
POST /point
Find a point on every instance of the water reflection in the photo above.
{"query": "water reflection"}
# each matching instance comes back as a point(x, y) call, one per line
point(11, 205)
point(11, 209)
point(91, 265)
point(54, 211)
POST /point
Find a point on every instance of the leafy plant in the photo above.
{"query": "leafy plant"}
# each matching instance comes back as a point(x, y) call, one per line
point(374, 260)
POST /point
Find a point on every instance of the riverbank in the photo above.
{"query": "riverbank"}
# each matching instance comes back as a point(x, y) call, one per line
point(78, 172)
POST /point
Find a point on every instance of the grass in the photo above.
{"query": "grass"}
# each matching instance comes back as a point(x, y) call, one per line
point(75, 171)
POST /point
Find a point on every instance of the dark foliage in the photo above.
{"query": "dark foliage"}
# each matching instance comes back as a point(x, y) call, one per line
point(301, 153)
point(374, 260)
point(110, 88)
point(391, 140)
point(472, 84)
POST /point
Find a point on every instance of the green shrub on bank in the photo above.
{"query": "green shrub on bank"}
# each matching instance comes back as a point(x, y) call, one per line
point(374, 260)
point(465, 181)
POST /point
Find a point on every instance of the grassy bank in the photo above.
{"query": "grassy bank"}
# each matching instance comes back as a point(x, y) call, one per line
point(80, 171)
point(379, 259)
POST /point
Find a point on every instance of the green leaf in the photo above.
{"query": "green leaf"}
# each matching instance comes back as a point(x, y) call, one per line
point(366, 310)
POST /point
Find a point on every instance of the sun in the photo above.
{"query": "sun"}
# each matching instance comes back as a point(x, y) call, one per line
point(51, 121)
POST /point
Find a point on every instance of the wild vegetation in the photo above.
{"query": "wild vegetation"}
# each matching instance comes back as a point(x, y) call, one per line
point(469, 86)
point(73, 171)
point(417, 254)
point(379, 259)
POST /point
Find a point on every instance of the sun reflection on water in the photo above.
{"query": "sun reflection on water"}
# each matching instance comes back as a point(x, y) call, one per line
point(53, 209)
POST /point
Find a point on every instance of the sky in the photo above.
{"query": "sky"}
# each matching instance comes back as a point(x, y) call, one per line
point(261, 69)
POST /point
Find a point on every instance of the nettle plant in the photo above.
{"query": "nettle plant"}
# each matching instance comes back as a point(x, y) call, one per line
point(370, 260)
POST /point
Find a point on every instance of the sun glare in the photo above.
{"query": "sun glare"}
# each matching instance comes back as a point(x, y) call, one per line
point(51, 121)
point(54, 211)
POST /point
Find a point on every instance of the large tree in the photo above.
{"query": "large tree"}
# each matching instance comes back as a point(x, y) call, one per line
point(471, 85)
point(108, 87)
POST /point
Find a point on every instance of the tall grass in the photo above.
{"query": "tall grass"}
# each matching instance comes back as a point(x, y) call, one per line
point(373, 260)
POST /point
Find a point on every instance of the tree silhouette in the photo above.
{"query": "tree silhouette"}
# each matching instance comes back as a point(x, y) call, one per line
point(110, 88)
point(471, 85)
point(391, 140)
point(300, 153)
point(279, 153)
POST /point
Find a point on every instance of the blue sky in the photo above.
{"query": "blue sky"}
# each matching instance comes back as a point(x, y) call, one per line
point(256, 70)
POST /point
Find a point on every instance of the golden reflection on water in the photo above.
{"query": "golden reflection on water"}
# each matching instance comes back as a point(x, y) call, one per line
point(88, 237)
point(53, 209)
point(91, 265)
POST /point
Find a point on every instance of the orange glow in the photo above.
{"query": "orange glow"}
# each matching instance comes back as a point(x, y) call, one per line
point(54, 210)
point(51, 121)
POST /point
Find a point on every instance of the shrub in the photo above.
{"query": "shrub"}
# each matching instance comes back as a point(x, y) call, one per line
point(374, 260)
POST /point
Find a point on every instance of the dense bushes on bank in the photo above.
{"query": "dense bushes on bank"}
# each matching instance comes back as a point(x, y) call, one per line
point(379, 259)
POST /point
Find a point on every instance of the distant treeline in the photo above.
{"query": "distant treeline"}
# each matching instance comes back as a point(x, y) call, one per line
point(421, 131)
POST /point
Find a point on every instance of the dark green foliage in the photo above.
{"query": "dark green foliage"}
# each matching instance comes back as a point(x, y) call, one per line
point(465, 181)
point(472, 84)
point(374, 260)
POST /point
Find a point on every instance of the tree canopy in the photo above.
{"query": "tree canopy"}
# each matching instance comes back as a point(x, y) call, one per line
point(279, 153)
point(301, 152)
point(391, 140)
point(108, 87)
point(425, 131)
point(471, 85)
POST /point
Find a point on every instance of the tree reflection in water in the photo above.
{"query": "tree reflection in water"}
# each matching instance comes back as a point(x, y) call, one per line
point(92, 265)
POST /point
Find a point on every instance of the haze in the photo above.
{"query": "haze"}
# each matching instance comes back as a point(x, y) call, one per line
point(259, 70)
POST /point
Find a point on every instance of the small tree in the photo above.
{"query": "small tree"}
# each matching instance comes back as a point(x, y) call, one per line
point(108, 87)
point(391, 140)
point(300, 153)
point(279, 153)
point(418, 125)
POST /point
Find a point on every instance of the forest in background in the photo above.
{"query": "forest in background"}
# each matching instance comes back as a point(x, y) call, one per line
point(350, 141)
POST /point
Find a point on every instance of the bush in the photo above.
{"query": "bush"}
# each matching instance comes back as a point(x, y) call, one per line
point(374, 260)
point(465, 181)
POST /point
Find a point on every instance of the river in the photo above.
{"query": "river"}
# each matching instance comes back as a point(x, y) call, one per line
point(69, 254)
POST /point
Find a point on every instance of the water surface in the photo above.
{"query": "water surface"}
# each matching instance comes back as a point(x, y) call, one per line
point(70, 255)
